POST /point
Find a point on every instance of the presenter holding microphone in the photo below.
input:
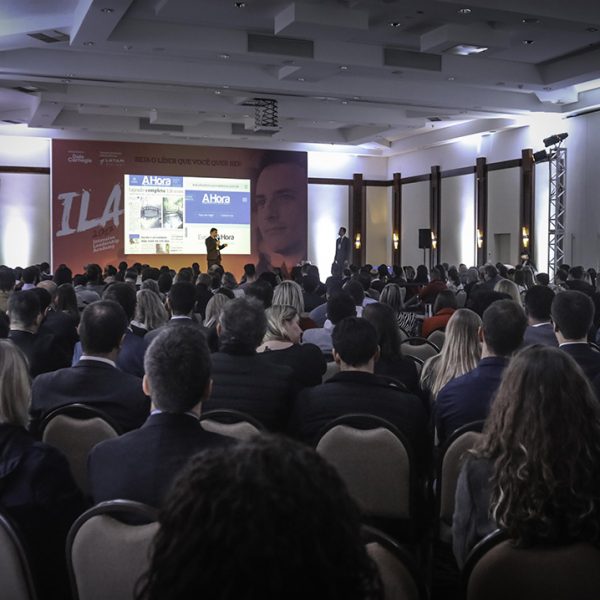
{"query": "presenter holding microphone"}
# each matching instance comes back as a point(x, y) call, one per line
point(213, 248)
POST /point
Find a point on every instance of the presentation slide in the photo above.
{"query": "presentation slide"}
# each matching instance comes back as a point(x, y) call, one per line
point(174, 215)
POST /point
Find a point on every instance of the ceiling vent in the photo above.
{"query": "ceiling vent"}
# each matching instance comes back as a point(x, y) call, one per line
point(394, 57)
point(11, 121)
point(434, 119)
point(50, 37)
point(270, 44)
point(145, 125)
point(27, 89)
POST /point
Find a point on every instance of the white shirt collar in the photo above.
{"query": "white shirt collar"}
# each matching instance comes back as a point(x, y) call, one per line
point(99, 359)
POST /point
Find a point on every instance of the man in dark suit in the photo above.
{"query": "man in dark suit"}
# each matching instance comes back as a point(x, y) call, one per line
point(142, 464)
point(43, 350)
point(576, 281)
point(180, 302)
point(94, 380)
point(342, 249)
point(572, 314)
point(356, 389)
point(244, 380)
point(538, 300)
point(213, 248)
point(468, 398)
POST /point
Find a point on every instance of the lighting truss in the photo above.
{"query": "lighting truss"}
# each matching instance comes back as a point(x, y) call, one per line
point(557, 163)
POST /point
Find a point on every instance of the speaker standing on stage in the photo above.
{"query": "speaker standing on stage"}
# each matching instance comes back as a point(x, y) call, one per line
point(213, 248)
point(342, 249)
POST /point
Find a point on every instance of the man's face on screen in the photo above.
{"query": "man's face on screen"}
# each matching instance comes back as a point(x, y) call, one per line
point(281, 207)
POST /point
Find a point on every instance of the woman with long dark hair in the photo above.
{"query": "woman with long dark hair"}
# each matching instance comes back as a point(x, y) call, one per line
point(536, 471)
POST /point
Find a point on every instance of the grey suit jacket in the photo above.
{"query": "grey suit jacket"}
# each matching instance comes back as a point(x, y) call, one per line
point(542, 334)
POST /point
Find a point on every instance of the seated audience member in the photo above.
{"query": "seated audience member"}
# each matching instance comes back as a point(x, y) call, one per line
point(84, 296)
point(281, 346)
point(311, 297)
point(62, 275)
point(467, 398)
point(460, 353)
point(393, 295)
point(244, 380)
point(490, 277)
point(94, 279)
point(576, 281)
point(480, 299)
point(339, 306)
point(4, 325)
point(319, 314)
point(37, 490)
point(356, 389)
point(538, 301)
point(229, 282)
point(141, 464)
point(572, 314)
point(289, 293)
point(7, 285)
point(391, 362)
point(232, 507)
point(542, 279)
point(506, 286)
point(66, 302)
point(429, 293)
point(249, 276)
point(150, 312)
point(213, 313)
point(357, 291)
point(43, 351)
point(260, 290)
point(30, 278)
point(94, 380)
point(180, 303)
point(535, 471)
point(443, 308)
point(165, 281)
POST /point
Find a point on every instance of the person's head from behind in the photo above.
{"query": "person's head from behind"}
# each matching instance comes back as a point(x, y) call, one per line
point(310, 283)
point(178, 367)
point(538, 303)
point(339, 306)
point(393, 295)
point(231, 507)
point(250, 272)
point(572, 313)
point(542, 279)
point(445, 299)
point(383, 319)
point(577, 273)
point(31, 275)
point(213, 309)
point(15, 386)
point(543, 436)
point(503, 325)
point(505, 286)
point(123, 294)
point(242, 326)
point(181, 298)
point(24, 310)
point(489, 272)
point(7, 279)
point(94, 274)
point(356, 290)
point(102, 327)
point(4, 325)
point(289, 293)
point(262, 291)
point(149, 310)
point(355, 347)
point(283, 324)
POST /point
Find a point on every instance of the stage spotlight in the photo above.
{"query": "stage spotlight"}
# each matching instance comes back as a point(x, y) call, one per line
point(555, 139)
point(540, 156)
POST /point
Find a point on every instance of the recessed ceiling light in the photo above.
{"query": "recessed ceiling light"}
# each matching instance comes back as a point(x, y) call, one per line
point(217, 92)
point(300, 79)
point(88, 43)
point(344, 101)
point(466, 49)
point(592, 29)
point(107, 11)
point(451, 78)
point(158, 49)
point(224, 56)
point(239, 4)
point(395, 24)
point(127, 47)
point(355, 97)
point(225, 87)
point(547, 88)
point(344, 68)
point(528, 42)
point(464, 11)
point(531, 21)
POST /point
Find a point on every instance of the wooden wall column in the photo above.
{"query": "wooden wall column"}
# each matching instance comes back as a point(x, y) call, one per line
point(527, 218)
point(481, 210)
point(435, 213)
point(358, 219)
point(397, 218)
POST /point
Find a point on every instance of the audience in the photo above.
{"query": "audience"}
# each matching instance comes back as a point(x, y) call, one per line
point(289, 293)
point(535, 471)
point(506, 286)
point(443, 308)
point(393, 295)
point(37, 490)
point(150, 312)
point(141, 464)
point(538, 302)
point(467, 398)
point(7, 285)
point(94, 380)
point(264, 519)
point(572, 314)
point(244, 380)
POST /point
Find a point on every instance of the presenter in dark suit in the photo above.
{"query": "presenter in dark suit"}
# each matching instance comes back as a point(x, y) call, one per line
point(342, 249)
point(213, 248)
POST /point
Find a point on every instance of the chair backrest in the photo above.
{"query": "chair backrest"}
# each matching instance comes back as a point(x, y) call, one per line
point(437, 337)
point(107, 556)
point(461, 298)
point(332, 369)
point(419, 347)
point(374, 460)
point(403, 334)
point(231, 423)
point(497, 570)
point(451, 458)
point(16, 581)
point(75, 430)
point(399, 575)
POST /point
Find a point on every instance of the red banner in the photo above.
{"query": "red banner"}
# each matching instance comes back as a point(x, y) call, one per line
point(88, 200)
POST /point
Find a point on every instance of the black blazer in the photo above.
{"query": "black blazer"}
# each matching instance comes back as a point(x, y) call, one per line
point(254, 385)
point(142, 464)
point(177, 322)
point(44, 351)
point(585, 357)
point(213, 249)
point(342, 250)
point(96, 384)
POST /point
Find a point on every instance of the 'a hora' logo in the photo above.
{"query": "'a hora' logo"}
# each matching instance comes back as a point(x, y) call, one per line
point(155, 180)
point(213, 198)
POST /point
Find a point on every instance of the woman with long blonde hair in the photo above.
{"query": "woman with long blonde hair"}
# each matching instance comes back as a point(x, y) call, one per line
point(506, 286)
point(459, 355)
